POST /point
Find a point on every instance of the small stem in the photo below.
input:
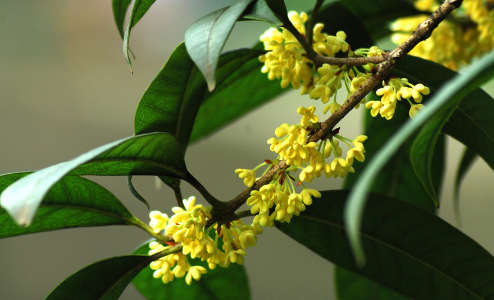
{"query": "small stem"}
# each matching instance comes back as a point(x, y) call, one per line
point(159, 237)
point(312, 20)
point(178, 197)
point(308, 48)
point(319, 60)
point(167, 251)
point(215, 203)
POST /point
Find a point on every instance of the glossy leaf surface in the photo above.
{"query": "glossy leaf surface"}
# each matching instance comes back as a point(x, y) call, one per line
point(409, 250)
point(220, 283)
point(72, 202)
point(151, 154)
point(260, 11)
point(450, 93)
point(103, 280)
point(206, 37)
point(139, 9)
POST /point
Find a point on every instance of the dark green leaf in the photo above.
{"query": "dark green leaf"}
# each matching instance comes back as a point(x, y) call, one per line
point(150, 154)
point(376, 14)
point(206, 37)
point(72, 202)
point(119, 11)
point(103, 280)
point(171, 102)
point(450, 93)
point(220, 283)
point(472, 124)
point(467, 159)
point(238, 95)
point(396, 180)
point(350, 286)
point(139, 9)
point(260, 11)
point(409, 250)
point(422, 152)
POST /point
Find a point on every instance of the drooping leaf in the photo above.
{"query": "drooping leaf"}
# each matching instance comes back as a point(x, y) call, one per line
point(206, 37)
point(135, 192)
point(397, 180)
point(467, 159)
point(220, 283)
point(422, 152)
point(409, 250)
point(72, 202)
point(150, 154)
point(259, 10)
point(473, 126)
point(238, 96)
point(103, 280)
point(139, 9)
point(451, 93)
point(350, 286)
point(119, 8)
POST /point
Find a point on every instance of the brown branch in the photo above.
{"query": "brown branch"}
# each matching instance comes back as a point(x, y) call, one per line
point(349, 61)
point(424, 30)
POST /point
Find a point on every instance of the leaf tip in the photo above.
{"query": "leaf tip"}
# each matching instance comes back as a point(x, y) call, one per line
point(211, 85)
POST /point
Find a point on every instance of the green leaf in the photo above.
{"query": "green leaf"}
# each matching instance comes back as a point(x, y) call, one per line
point(139, 9)
point(451, 93)
point(206, 37)
point(376, 14)
point(260, 11)
point(220, 283)
point(119, 8)
point(422, 152)
point(72, 202)
point(350, 286)
point(409, 250)
point(135, 192)
point(171, 102)
point(467, 159)
point(151, 154)
point(242, 92)
point(472, 124)
point(103, 280)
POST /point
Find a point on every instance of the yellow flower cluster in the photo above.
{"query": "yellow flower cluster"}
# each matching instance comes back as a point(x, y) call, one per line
point(308, 158)
point(397, 89)
point(457, 40)
point(286, 59)
point(187, 226)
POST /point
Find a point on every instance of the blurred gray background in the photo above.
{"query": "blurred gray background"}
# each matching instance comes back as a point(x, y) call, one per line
point(65, 89)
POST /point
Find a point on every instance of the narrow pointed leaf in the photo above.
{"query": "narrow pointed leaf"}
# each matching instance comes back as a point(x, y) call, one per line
point(151, 154)
point(472, 124)
point(468, 158)
point(206, 37)
point(220, 283)
point(260, 11)
point(119, 8)
point(171, 102)
point(72, 202)
point(409, 250)
point(103, 280)
point(139, 9)
point(449, 94)
point(422, 152)
point(397, 180)
point(135, 192)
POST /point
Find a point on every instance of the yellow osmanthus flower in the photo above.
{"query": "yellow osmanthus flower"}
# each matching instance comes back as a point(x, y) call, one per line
point(395, 90)
point(455, 41)
point(187, 226)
